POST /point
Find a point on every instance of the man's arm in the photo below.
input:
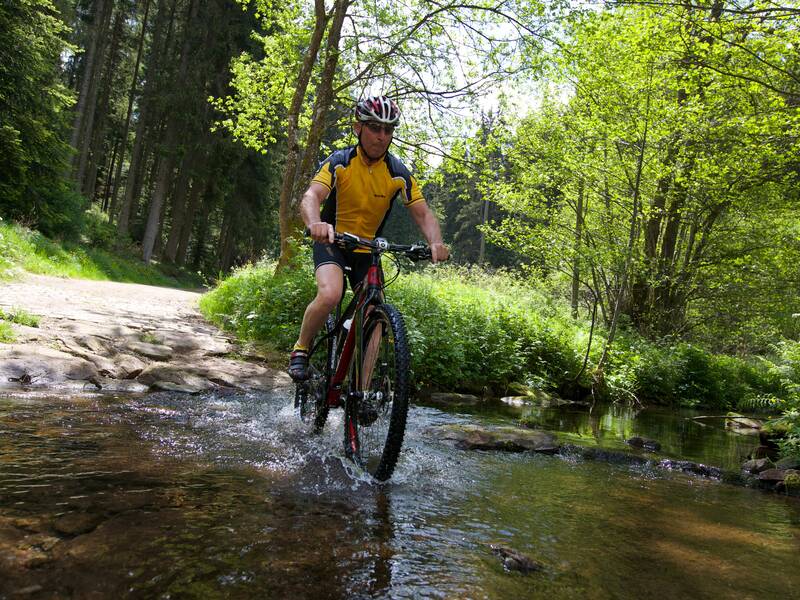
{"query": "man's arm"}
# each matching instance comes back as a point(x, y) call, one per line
point(429, 225)
point(309, 212)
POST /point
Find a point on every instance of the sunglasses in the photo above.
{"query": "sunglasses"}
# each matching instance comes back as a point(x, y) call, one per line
point(377, 127)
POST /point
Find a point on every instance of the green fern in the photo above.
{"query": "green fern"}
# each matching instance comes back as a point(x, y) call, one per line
point(763, 403)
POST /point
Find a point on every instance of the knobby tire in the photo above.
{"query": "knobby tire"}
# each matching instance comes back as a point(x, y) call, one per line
point(375, 443)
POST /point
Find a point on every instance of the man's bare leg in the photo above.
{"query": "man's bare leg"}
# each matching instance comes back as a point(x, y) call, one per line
point(329, 291)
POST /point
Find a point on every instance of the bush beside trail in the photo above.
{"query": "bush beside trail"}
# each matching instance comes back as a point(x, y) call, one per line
point(475, 332)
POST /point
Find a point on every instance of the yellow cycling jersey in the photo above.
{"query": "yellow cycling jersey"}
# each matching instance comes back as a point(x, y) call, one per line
point(361, 195)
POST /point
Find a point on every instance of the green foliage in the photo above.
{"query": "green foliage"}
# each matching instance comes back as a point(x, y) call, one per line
point(467, 330)
point(7, 335)
point(472, 331)
point(682, 373)
point(258, 304)
point(785, 364)
point(677, 143)
point(19, 316)
point(33, 120)
point(97, 231)
point(23, 249)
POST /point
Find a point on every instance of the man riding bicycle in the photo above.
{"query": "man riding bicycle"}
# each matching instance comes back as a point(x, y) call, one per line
point(353, 192)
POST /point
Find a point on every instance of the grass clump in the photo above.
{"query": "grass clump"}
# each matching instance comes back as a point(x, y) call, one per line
point(20, 316)
point(7, 335)
point(22, 249)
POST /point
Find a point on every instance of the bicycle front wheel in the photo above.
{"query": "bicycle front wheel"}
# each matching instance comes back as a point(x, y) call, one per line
point(375, 416)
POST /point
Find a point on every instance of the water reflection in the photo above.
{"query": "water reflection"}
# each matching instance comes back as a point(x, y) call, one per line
point(221, 497)
point(608, 426)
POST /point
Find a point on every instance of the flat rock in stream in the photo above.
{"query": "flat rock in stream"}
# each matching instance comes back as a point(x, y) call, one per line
point(213, 372)
point(173, 378)
point(453, 399)
point(128, 366)
point(538, 398)
point(508, 439)
point(195, 341)
point(154, 351)
point(42, 366)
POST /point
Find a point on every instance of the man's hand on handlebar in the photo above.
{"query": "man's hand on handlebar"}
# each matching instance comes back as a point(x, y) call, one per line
point(439, 252)
point(321, 232)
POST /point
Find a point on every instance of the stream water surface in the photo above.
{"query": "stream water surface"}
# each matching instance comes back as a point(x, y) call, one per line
point(221, 496)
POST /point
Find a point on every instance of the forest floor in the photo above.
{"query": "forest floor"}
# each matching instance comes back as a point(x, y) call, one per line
point(120, 337)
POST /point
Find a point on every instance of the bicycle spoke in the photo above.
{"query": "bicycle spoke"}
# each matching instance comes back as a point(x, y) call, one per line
point(378, 410)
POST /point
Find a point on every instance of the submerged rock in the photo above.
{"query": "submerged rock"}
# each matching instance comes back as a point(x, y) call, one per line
point(772, 475)
point(76, 523)
point(691, 467)
point(644, 443)
point(742, 424)
point(757, 465)
point(602, 454)
point(515, 561)
point(508, 439)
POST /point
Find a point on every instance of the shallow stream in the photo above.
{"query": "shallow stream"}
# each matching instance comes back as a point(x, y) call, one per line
point(220, 496)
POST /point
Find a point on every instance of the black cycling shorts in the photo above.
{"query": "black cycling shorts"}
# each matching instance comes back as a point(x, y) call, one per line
point(354, 264)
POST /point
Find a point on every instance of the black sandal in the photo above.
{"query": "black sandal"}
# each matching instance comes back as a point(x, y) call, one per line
point(298, 365)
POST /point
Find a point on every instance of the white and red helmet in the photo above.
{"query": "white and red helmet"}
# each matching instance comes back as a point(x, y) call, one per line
point(380, 109)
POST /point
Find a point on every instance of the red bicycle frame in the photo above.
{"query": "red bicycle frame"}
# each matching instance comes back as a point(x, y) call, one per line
point(363, 299)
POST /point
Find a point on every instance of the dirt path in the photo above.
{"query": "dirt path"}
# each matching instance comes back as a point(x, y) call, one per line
point(119, 337)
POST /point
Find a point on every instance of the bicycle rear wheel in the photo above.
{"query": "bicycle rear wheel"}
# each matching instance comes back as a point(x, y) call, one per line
point(310, 398)
point(375, 415)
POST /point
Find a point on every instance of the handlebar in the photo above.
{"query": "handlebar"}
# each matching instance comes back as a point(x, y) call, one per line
point(414, 252)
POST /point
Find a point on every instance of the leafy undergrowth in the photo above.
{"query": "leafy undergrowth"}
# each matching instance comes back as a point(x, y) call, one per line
point(22, 249)
point(495, 333)
point(7, 335)
point(20, 316)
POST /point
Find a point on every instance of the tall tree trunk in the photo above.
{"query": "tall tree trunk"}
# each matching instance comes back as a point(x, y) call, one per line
point(225, 243)
point(322, 102)
point(632, 235)
point(110, 175)
point(484, 220)
point(576, 270)
point(178, 207)
point(188, 220)
point(131, 95)
point(133, 183)
point(104, 103)
point(167, 165)
point(202, 231)
point(85, 136)
point(100, 9)
point(290, 168)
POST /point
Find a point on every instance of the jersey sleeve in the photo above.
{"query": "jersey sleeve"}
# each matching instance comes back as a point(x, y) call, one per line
point(324, 175)
point(413, 194)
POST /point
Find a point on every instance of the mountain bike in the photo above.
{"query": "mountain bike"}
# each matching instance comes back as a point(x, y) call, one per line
point(360, 362)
